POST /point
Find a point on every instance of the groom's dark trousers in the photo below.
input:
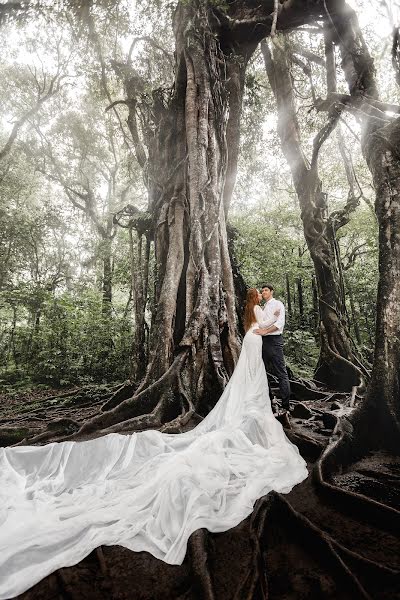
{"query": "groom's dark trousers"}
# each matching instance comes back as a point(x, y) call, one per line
point(272, 352)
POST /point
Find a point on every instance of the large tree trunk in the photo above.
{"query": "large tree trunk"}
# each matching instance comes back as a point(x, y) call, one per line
point(194, 287)
point(375, 424)
point(189, 172)
point(194, 330)
point(380, 143)
point(384, 163)
point(191, 141)
point(336, 366)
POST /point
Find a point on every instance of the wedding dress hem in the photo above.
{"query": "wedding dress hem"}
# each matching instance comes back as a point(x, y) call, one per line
point(148, 491)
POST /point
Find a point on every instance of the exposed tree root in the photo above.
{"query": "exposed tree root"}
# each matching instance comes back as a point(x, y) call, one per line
point(93, 411)
point(308, 389)
point(356, 565)
point(278, 552)
point(307, 445)
point(371, 570)
point(138, 404)
point(124, 392)
point(13, 435)
point(102, 562)
point(344, 565)
point(276, 527)
point(50, 417)
point(64, 585)
point(54, 428)
point(199, 559)
point(155, 419)
point(256, 580)
point(303, 392)
point(323, 545)
point(344, 447)
point(177, 425)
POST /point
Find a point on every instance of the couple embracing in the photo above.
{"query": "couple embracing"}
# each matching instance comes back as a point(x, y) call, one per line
point(268, 322)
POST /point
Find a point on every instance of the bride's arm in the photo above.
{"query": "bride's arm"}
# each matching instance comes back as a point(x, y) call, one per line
point(260, 318)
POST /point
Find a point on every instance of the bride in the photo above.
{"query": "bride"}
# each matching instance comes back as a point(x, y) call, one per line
point(148, 490)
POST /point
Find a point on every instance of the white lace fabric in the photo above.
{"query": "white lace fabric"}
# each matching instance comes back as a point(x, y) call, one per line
point(147, 491)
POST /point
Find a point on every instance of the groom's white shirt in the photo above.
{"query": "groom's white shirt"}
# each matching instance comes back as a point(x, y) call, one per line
point(269, 308)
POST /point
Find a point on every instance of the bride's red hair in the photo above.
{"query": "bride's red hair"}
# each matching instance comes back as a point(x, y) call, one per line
point(251, 301)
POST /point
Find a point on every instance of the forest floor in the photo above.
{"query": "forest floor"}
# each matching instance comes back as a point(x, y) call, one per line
point(303, 545)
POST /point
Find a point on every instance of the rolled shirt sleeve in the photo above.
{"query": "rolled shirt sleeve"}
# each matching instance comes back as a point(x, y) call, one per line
point(269, 309)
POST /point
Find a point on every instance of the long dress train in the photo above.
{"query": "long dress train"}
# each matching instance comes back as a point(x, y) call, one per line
point(146, 491)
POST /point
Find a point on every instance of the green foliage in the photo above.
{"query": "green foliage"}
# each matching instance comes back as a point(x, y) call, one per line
point(53, 326)
point(301, 351)
point(270, 244)
point(270, 247)
point(69, 341)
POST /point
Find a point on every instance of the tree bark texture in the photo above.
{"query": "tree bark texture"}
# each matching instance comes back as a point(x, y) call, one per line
point(194, 286)
point(139, 275)
point(336, 362)
point(192, 140)
point(380, 144)
point(188, 166)
point(288, 296)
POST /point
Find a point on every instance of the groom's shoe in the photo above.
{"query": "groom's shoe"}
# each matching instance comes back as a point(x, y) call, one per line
point(284, 418)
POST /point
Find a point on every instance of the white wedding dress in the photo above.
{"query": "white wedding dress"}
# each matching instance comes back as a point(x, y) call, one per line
point(146, 491)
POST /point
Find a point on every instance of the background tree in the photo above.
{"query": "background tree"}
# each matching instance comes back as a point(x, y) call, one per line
point(338, 356)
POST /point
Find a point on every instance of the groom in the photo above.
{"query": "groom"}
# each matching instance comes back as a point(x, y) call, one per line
point(272, 348)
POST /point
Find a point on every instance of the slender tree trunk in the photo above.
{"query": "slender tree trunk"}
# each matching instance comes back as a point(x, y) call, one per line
point(139, 275)
point(288, 296)
point(300, 297)
point(336, 363)
point(315, 301)
point(354, 317)
point(107, 278)
point(12, 338)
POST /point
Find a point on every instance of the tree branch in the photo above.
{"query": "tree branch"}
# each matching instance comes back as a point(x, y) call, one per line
point(152, 42)
point(307, 54)
point(53, 88)
point(356, 102)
